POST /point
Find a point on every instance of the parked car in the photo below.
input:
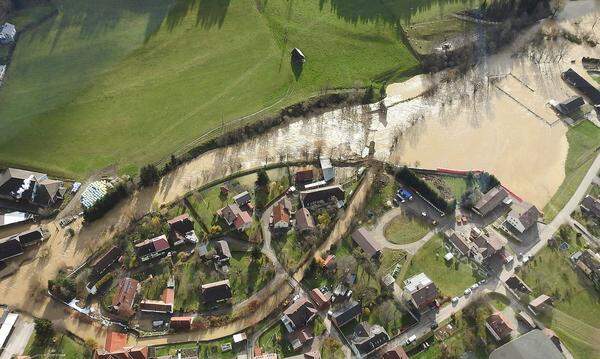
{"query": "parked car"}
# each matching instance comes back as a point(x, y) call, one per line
point(467, 291)
point(455, 300)
point(482, 282)
point(411, 339)
point(434, 325)
point(424, 214)
point(475, 286)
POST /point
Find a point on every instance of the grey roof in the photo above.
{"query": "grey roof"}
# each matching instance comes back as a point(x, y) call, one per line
point(532, 345)
point(10, 247)
point(571, 104)
point(346, 314)
point(527, 214)
point(216, 291)
point(592, 205)
point(242, 198)
point(369, 337)
point(222, 249)
point(365, 240)
point(490, 200)
point(304, 220)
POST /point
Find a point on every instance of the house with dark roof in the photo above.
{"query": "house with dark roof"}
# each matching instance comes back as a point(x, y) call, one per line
point(396, 353)
point(124, 297)
point(591, 206)
point(152, 248)
point(298, 315)
point(346, 314)
point(115, 347)
point(490, 201)
point(532, 345)
point(182, 230)
point(517, 284)
point(242, 199)
point(181, 323)
point(420, 292)
point(479, 245)
point(164, 305)
point(304, 176)
point(587, 89)
point(499, 326)
point(223, 252)
point(366, 242)
point(216, 292)
point(523, 217)
point(322, 196)
point(299, 337)
point(367, 338)
point(304, 221)
point(589, 263)
point(321, 299)
point(31, 237)
point(569, 105)
point(9, 248)
point(100, 265)
point(32, 188)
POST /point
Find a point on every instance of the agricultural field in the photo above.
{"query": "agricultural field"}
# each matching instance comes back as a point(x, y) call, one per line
point(451, 278)
point(583, 141)
point(96, 84)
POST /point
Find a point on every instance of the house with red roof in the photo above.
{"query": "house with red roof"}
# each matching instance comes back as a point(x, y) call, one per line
point(115, 347)
point(152, 248)
point(124, 297)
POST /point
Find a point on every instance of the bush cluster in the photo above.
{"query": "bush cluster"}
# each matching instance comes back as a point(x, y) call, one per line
point(408, 177)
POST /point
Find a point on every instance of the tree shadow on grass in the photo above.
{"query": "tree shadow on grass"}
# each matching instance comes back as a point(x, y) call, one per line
point(210, 13)
point(297, 67)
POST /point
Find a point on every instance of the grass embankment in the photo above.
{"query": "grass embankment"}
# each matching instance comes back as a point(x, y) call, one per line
point(406, 229)
point(576, 314)
point(584, 141)
point(451, 278)
point(128, 82)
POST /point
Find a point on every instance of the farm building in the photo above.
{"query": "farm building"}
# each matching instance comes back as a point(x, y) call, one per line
point(490, 200)
point(297, 55)
point(366, 242)
point(32, 188)
point(568, 106)
point(581, 84)
point(421, 292)
point(523, 217)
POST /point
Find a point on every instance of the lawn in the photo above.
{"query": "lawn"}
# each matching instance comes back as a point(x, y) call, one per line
point(273, 341)
point(66, 346)
point(127, 82)
point(551, 273)
point(288, 249)
point(584, 139)
point(210, 349)
point(248, 276)
point(406, 229)
point(451, 279)
point(576, 314)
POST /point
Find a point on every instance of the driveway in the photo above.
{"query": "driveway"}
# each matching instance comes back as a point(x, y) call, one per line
point(18, 339)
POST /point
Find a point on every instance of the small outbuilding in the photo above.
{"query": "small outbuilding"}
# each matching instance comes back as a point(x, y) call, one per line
point(8, 32)
point(297, 55)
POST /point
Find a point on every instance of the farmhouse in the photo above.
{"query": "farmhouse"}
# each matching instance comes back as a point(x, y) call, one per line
point(216, 292)
point(298, 315)
point(115, 347)
point(574, 79)
point(164, 305)
point(523, 217)
point(32, 188)
point(322, 196)
point(368, 338)
point(320, 299)
point(421, 292)
point(343, 316)
point(367, 243)
point(223, 251)
point(152, 248)
point(480, 246)
point(242, 199)
point(532, 345)
point(490, 200)
point(182, 230)
point(105, 261)
point(304, 221)
point(7, 33)
point(500, 327)
point(122, 302)
point(327, 168)
point(591, 206)
point(235, 217)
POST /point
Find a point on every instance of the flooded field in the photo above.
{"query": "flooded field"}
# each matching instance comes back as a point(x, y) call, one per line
point(494, 118)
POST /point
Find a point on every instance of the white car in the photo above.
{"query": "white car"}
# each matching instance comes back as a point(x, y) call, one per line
point(467, 291)
point(411, 339)
point(475, 286)
point(455, 300)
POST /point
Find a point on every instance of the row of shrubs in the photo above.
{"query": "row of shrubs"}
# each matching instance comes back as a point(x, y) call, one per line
point(408, 177)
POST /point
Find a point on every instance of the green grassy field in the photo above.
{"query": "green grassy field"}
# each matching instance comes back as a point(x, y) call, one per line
point(127, 82)
point(406, 229)
point(584, 140)
point(451, 279)
point(65, 346)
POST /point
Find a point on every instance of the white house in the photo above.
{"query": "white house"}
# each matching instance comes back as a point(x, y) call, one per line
point(7, 33)
point(523, 217)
